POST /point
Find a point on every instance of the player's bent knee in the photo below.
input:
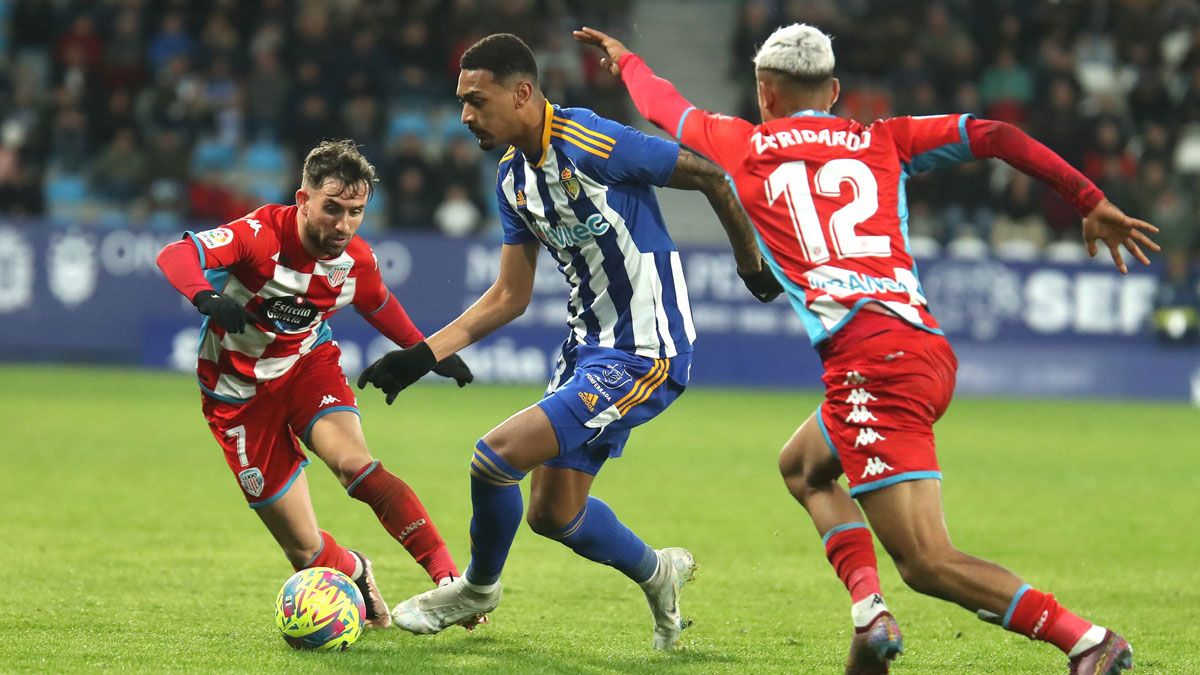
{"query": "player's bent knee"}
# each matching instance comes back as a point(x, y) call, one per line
point(924, 572)
point(546, 521)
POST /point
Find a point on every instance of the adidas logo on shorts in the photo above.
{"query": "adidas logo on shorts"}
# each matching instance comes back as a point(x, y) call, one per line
point(589, 400)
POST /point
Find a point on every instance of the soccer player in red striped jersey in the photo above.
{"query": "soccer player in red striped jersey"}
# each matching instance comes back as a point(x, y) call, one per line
point(269, 370)
point(827, 198)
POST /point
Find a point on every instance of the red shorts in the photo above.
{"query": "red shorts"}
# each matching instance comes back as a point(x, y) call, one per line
point(886, 383)
point(260, 437)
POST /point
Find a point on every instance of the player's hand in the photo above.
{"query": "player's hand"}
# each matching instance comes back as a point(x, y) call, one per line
point(456, 369)
point(222, 309)
point(396, 370)
point(612, 47)
point(1109, 224)
point(762, 283)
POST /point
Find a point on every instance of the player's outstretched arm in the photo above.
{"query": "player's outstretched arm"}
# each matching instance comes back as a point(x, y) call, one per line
point(1102, 220)
point(504, 301)
point(656, 99)
point(693, 172)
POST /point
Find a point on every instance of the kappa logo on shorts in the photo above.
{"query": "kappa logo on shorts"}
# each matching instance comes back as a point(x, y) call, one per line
point(215, 238)
point(868, 436)
point(859, 415)
point(860, 396)
point(855, 377)
point(589, 400)
point(875, 466)
point(252, 481)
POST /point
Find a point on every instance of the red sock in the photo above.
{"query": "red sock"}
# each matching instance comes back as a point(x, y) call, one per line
point(332, 555)
point(852, 554)
point(1038, 616)
point(404, 517)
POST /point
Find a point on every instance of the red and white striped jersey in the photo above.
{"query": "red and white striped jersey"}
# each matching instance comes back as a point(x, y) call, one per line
point(259, 261)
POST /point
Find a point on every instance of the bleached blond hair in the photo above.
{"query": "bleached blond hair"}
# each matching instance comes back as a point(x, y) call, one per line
point(799, 50)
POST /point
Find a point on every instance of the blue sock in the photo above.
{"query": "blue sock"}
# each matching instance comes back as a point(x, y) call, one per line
point(597, 535)
point(496, 500)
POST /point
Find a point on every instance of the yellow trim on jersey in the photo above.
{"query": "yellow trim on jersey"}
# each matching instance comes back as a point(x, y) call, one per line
point(584, 129)
point(599, 145)
point(644, 387)
point(545, 135)
point(578, 144)
point(509, 154)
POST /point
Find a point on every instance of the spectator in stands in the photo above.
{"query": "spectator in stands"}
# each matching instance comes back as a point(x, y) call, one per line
point(119, 174)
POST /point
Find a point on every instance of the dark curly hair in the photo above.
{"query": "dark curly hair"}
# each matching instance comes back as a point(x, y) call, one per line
point(504, 54)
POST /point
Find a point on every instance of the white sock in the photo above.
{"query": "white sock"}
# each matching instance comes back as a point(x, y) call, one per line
point(864, 611)
point(486, 589)
point(1093, 636)
point(359, 567)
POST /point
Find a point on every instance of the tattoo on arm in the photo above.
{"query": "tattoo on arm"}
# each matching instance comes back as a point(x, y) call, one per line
point(693, 172)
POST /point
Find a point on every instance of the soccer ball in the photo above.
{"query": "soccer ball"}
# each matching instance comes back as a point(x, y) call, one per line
point(320, 608)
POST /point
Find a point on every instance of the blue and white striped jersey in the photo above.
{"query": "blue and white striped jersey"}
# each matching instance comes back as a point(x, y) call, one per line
point(589, 198)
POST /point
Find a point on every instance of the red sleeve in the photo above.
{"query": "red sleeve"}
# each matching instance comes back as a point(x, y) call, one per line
point(931, 141)
point(392, 321)
point(720, 138)
point(990, 138)
point(380, 308)
point(180, 263)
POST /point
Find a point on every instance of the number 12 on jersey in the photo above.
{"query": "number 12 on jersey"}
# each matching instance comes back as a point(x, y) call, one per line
point(790, 180)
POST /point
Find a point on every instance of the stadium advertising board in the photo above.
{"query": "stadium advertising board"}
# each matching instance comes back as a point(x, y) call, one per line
point(1018, 328)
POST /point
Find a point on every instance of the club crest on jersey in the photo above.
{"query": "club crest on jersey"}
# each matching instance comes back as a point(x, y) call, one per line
point(252, 481)
point(338, 274)
point(215, 238)
point(570, 183)
point(290, 313)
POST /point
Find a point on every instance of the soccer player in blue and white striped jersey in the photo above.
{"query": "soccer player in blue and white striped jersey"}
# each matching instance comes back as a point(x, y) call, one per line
point(582, 187)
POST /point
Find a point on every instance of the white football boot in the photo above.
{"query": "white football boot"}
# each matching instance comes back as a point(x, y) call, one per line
point(452, 604)
point(676, 567)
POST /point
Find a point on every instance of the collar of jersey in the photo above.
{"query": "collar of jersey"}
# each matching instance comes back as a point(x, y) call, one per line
point(811, 113)
point(545, 136)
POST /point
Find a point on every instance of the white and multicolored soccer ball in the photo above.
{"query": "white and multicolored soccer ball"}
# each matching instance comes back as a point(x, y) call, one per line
point(320, 608)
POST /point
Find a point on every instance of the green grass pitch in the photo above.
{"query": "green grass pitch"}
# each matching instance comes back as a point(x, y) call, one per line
point(127, 545)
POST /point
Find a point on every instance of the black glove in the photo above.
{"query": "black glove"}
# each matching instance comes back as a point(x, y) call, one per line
point(222, 309)
point(762, 284)
point(456, 369)
point(396, 370)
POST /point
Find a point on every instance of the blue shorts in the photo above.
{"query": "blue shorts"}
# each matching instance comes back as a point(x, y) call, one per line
point(598, 395)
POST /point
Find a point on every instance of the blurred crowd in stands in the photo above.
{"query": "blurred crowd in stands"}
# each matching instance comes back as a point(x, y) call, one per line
point(161, 113)
point(1111, 85)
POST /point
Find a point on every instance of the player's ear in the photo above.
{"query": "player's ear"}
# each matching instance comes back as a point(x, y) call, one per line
point(302, 199)
point(837, 91)
point(523, 93)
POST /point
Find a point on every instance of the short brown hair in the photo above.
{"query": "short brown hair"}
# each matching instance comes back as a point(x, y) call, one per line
point(339, 161)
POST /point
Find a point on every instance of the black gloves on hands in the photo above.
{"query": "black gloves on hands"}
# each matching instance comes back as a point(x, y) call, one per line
point(396, 370)
point(762, 284)
point(456, 369)
point(223, 310)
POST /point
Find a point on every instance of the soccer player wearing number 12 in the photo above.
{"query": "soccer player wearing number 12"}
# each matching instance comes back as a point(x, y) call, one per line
point(269, 370)
point(826, 196)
